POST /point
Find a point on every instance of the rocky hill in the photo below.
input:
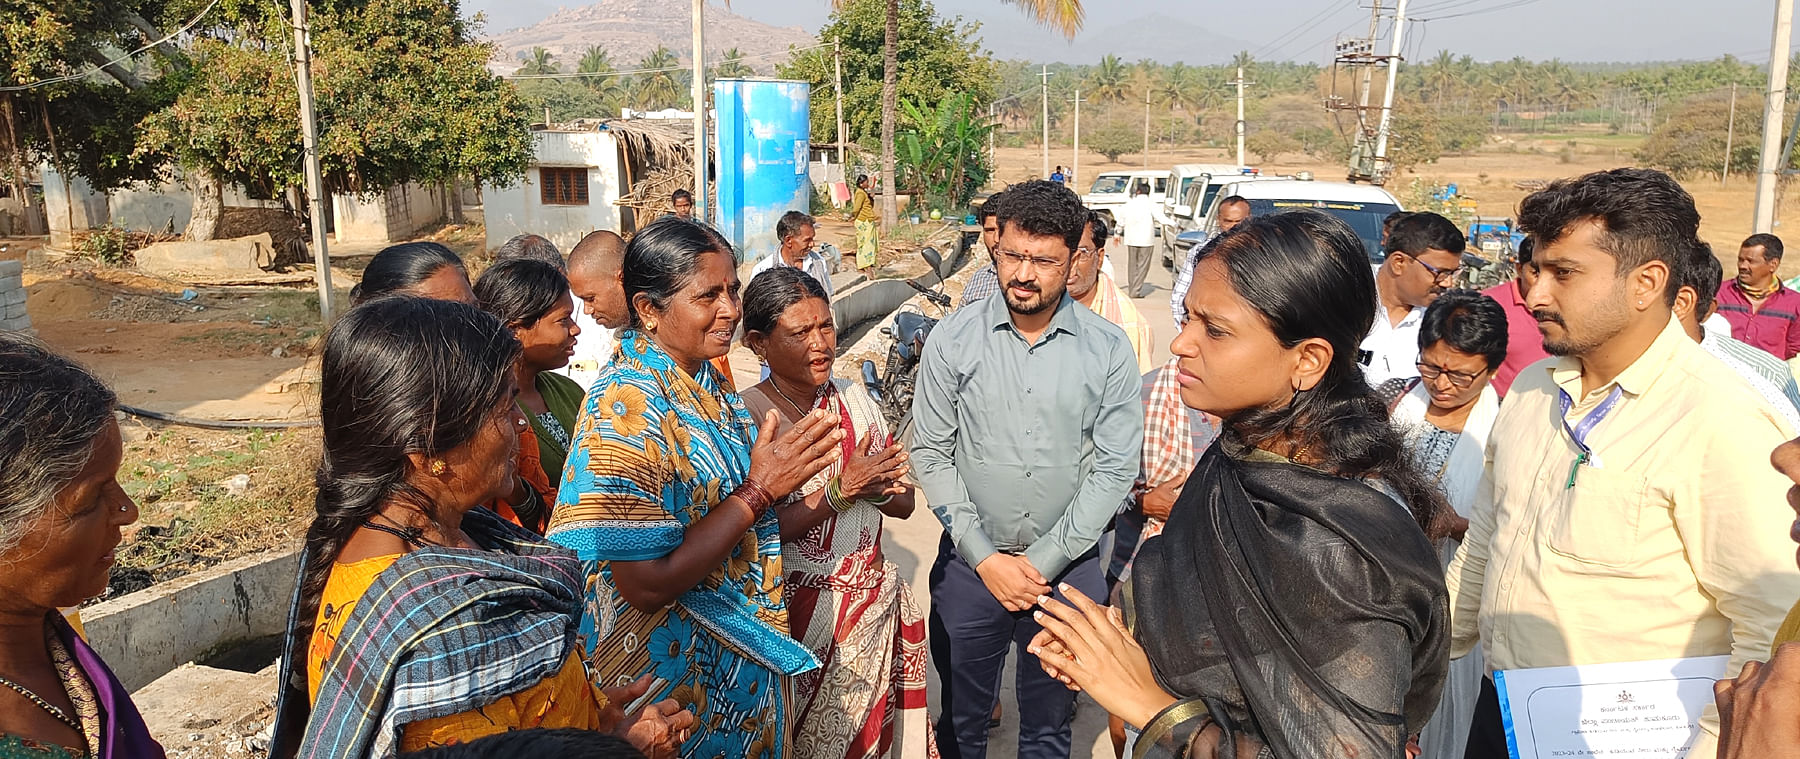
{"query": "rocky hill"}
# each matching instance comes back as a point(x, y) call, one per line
point(631, 29)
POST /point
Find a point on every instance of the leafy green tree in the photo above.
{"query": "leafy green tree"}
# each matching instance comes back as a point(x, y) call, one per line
point(1692, 141)
point(1113, 139)
point(566, 100)
point(940, 57)
point(401, 90)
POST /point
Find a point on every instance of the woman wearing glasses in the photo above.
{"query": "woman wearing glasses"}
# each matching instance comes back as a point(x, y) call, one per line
point(1446, 413)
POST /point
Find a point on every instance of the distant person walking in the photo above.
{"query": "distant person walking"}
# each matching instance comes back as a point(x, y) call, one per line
point(1140, 218)
point(862, 212)
point(1763, 312)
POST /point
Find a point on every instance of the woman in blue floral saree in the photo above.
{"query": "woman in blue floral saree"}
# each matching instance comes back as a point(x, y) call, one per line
point(666, 497)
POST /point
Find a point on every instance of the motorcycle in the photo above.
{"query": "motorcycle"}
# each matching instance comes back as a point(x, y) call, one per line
point(892, 386)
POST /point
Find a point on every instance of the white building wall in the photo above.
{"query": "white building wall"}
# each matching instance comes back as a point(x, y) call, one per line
point(392, 216)
point(70, 205)
point(518, 209)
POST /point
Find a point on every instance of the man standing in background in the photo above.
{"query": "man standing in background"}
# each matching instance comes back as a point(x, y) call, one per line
point(1524, 344)
point(796, 231)
point(1424, 255)
point(1141, 217)
point(596, 277)
point(1233, 210)
point(1763, 312)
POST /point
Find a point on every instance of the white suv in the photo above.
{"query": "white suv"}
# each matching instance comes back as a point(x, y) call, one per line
point(1111, 189)
point(1362, 206)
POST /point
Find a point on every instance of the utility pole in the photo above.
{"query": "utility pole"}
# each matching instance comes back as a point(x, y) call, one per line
point(1075, 154)
point(1369, 71)
point(1146, 128)
point(1770, 169)
point(309, 141)
point(701, 204)
point(1730, 126)
point(1387, 101)
point(837, 54)
point(1044, 93)
point(1240, 115)
point(993, 158)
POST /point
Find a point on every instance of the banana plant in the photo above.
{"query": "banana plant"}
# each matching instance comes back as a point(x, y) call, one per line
point(942, 154)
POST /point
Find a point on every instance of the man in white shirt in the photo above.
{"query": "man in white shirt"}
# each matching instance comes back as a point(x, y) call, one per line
point(796, 232)
point(597, 279)
point(1424, 255)
point(1140, 218)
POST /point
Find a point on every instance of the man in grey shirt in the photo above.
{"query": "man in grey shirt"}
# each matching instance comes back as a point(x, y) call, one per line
point(1028, 429)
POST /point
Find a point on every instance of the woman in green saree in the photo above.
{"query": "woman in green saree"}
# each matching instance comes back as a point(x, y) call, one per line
point(532, 298)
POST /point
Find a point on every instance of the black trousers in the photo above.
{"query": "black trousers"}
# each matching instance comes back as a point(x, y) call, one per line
point(970, 634)
point(1487, 733)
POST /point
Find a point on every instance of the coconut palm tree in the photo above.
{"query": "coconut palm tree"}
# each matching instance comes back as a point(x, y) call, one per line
point(540, 62)
point(610, 87)
point(1065, 16)
point(732, 66)
point(1110, 81)
point(660, 85)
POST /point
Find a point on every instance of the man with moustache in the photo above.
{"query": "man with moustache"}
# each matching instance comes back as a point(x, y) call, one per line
point(1424, 255)
point(1027, 435)
point(1095, 289)
point(1233, 211)
point(1762, 311)
point(1626, 514)
point(1524, 346)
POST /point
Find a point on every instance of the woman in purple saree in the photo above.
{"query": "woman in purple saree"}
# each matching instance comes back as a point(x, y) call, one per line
point(61, 510)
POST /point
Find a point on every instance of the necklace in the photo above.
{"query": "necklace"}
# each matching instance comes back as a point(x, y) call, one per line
point(59, 714)
point(784, 396)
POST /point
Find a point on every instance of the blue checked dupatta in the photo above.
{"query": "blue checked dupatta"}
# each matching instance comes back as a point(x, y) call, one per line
point(441, 632)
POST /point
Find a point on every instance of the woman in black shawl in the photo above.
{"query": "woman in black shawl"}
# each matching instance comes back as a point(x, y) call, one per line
point(1292, 607)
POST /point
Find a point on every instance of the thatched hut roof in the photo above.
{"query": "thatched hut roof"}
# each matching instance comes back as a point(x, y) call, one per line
point(658, 158)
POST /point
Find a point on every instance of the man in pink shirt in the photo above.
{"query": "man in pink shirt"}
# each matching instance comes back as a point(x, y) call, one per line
point(1762, 311)
point(1524, 344)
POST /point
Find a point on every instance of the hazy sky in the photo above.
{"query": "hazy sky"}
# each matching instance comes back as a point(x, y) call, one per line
point(1573, 30)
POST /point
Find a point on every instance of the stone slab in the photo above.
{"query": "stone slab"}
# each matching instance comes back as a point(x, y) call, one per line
point(12, 296)
point(147, 634)
point(16, 311)
point(12, 268)
point(242, 255)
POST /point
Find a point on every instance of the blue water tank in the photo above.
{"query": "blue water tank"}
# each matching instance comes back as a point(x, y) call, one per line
point(764, 135)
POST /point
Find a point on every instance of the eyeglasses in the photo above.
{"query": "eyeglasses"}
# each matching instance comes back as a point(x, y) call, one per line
point(1429, 372)
point(1441, 276)
point(1037, 262)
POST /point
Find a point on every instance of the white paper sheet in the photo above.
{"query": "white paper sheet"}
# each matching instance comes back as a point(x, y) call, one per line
point(1640, 710)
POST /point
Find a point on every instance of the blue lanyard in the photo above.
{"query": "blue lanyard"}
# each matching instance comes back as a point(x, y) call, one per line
point(1580, 431)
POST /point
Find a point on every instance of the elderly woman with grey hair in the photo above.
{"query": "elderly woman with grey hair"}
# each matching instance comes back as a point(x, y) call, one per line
point(61, 510)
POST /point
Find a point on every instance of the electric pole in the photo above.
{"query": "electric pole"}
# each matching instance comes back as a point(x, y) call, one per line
point(1730, 125)
point(309, 142)
point(1044, 93)
point(700, 200)
point(1146, 127)
point(837, 54)
point(1770, 169)
point(1387, 101)
point(1240, 114)
point(993, 158)
point(1075, 154)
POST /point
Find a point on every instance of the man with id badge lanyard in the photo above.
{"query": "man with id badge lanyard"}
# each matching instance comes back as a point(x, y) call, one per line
point(1626, 514)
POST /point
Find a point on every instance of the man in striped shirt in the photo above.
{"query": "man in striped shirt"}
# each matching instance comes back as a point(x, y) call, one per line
point(1695, 303)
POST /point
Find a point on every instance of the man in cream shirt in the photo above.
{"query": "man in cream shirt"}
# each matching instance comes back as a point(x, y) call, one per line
point(1629, 512)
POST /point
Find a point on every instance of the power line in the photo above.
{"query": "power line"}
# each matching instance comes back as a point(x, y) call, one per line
point(1282, 41)
point(1500, 7)
point(121, 59)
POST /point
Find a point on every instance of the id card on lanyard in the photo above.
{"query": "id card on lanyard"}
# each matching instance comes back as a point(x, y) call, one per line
point(1580, 431)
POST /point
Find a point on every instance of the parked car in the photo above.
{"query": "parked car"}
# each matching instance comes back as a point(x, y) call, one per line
point(1185, 175)
point(1361, 206)
point(1190, 213)
point(1111, 189)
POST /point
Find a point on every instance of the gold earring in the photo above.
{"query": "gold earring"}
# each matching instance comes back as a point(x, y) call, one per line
point(438, 467)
